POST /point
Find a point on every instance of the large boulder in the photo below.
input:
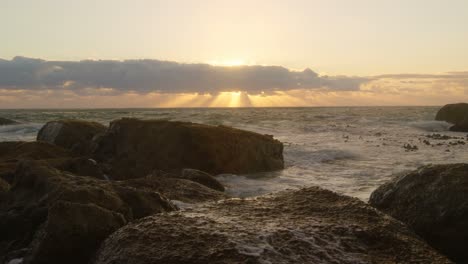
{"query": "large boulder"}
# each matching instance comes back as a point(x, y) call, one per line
point(433, 201)
point(6, 121)
point(456, 114)
point(41, 197)
point(133, 148)
point(311, 225)
point(75, 135)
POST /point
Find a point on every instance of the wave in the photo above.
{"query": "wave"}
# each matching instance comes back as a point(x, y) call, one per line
point(431, 125)
point(26, 132)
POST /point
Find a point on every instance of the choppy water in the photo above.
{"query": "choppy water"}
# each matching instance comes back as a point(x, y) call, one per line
point(348, 150)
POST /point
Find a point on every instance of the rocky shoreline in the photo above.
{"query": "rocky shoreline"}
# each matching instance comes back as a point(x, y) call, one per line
point(86, 193)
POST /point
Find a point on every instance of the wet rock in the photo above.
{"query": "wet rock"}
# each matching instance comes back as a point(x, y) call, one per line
point(19, 150)
point(6, 121)
point(456, 114)
point(72, 233)
point(311, 225)
point(134, 148)
point(47, 154)
point(37, 188)
point(75, 135)
point(433, 202)
point(202, 178)
point(174, 188)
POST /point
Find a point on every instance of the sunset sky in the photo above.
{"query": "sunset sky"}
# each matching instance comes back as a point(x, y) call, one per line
point(201, 53)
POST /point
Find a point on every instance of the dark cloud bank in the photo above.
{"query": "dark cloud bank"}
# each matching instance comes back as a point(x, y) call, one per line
point(145, 76)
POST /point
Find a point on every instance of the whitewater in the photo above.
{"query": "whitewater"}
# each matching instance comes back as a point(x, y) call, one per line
point(350, 150)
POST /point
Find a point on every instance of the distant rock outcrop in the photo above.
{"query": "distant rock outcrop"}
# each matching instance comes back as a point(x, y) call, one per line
point(75, 135)
point(456, 114)
point(6, 121)
point(311, 225)
point(133, 148)
point(433, 201)
point(51, 216)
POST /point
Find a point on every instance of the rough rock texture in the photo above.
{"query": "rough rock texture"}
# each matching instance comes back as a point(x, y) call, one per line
point(183, 190)
point(47, 154)
point(307, 226)
point(456, 114)
point(6, 121)
point(26, 210)
point(75, 135)
point(133, 148)
point(433, 201)
point(18, 150)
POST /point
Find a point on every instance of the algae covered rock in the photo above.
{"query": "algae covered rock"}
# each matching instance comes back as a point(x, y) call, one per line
point(311, 225)
point(133, 148)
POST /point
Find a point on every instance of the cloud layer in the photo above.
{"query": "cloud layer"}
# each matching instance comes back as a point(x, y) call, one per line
point(144, 76)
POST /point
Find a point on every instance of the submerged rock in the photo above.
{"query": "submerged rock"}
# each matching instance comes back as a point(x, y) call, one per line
point(40, 192)
point(6, 121)
point(75, 135)
point(311, 225)
point(134, 148)
point(433, 201)
point(456, 114)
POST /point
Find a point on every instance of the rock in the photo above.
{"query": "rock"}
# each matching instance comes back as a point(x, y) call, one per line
point(6, 121)
point(202, 178)
point(4, 187)
point(75, 135)
point(433, 202)
point(173, 188)
point(134, 148)
point(72, 233)
point(37, 188)
point(19, 150)
point(311, 225)
point(456, 114)
point(46, 154)
point(461, 126)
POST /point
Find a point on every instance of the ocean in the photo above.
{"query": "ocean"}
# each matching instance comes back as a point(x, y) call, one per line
point(350, 150)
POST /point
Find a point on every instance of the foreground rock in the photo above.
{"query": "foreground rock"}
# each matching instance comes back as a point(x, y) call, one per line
point(75, 135)
point(133, 148)
point(50, 216)
point(433, 202)
point(307, 226)
point(6, 121)
point(456, 114)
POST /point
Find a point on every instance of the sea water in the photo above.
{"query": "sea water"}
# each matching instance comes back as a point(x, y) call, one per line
point(350, 150)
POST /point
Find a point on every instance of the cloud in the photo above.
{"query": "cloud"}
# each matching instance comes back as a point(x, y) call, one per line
point(145, 76)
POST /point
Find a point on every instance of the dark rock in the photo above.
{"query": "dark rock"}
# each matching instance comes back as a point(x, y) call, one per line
point(72, 233)
point(134, 148)
point(37, 188)
point(47, 154)
point(18, 150)
point(311, 225)
point(75, 135)
point(456, 114)
point(202, 178)
point(433, 202)
point(6, 121)
point(176, 189)
point(4, 187)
